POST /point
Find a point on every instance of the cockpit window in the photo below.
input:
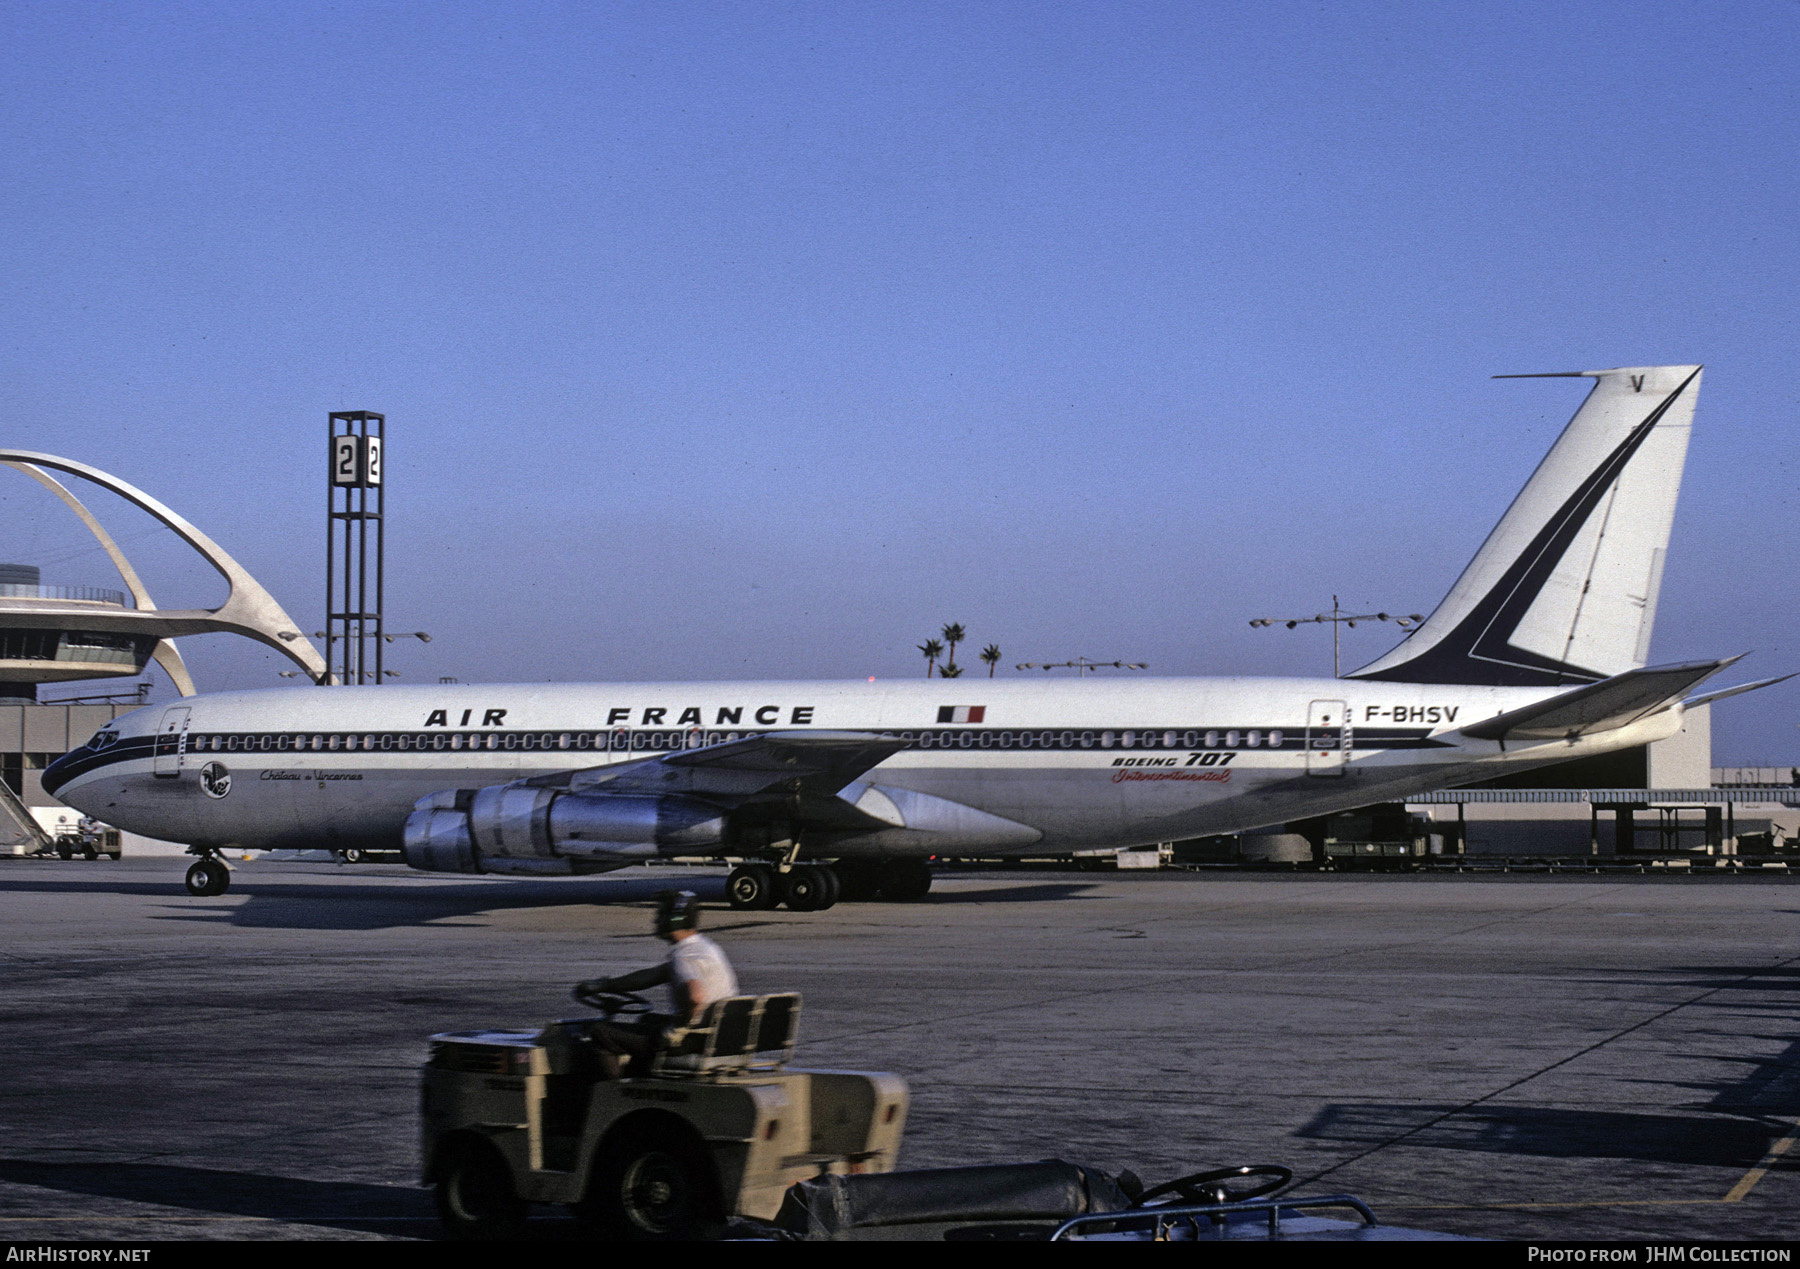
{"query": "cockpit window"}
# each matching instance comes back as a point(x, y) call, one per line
point(101, 739)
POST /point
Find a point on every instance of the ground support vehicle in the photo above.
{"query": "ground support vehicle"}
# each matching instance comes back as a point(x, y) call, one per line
point(90, 840)
point(719, 1127)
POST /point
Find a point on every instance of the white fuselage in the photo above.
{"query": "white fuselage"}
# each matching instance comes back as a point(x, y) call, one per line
point(1048, 766)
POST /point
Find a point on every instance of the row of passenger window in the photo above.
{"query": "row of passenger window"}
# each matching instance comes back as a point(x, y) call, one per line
point(419, 742)
point(1253, 739)
point(623, 740)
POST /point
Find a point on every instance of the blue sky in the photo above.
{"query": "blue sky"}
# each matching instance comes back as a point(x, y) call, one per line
point(763, 339)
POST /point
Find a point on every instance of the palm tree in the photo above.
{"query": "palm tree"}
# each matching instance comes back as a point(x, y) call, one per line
point(991, 654)
point(949, 671)
point(953, 635)
point(932, 650)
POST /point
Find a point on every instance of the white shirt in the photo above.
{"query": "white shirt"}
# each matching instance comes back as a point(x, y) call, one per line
point(697, 959)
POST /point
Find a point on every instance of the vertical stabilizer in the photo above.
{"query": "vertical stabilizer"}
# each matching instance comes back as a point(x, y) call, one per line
point(1564, 589)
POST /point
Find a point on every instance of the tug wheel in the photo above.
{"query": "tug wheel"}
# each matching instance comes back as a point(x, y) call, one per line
point(654, 1182)
point(207, 878)
point(475, 1198)
point(751, 887)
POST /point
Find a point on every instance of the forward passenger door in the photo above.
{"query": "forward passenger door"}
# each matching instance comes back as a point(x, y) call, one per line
point(171, 742)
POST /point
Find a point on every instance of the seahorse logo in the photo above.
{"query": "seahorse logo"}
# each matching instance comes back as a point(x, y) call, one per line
point(215, 780)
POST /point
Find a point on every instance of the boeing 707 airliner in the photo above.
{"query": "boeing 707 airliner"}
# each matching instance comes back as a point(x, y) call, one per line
point(1537, 655)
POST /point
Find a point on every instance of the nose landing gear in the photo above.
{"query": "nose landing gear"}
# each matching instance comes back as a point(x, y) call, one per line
point(208, 877)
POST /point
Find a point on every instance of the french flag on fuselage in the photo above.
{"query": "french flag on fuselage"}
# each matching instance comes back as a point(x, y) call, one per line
point(961, 713)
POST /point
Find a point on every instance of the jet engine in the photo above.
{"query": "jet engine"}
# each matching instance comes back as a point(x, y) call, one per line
point(521, 828)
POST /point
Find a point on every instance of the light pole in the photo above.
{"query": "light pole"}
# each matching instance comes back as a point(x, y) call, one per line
point(383, 637)
point(1338, 619)
point(420, 635)
point(1081, 665)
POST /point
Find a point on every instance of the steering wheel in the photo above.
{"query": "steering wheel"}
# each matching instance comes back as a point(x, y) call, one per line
point(1210, 1187)
point(614, 1004)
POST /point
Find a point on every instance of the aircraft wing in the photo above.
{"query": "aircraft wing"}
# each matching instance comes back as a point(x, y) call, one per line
point(808, 764)
point(1603, 706)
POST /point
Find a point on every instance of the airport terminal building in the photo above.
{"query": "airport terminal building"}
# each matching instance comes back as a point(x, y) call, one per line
point(54, 648)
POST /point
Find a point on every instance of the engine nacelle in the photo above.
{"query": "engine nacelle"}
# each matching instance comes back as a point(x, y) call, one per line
point(437, 840)
point(492, 829)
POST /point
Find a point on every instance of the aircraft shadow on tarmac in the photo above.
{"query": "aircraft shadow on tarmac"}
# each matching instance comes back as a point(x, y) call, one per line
point(265, 900)
point(1749, 1113)
point(268, 902)
point(273, 905)
point(1038, 892)
point(394, 1211)
point(340, 1204)
point(1552, 1132)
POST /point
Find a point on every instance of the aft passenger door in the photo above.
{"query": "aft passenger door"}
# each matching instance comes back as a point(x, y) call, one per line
point(1327, 738)
point(171, 742)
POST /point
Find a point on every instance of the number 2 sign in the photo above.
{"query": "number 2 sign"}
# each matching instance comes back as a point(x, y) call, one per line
point(356, 460)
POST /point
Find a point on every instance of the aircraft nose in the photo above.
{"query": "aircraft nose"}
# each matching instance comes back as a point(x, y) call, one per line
point(59, 772)
point(73, 763)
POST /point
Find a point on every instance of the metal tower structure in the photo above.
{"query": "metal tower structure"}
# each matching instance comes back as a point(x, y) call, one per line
point(354, 548)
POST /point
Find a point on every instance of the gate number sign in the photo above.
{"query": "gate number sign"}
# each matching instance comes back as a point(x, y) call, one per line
point(356, 460)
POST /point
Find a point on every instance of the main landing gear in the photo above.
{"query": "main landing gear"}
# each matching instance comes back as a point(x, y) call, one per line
point(804, 887)
point(757, 887)
point(208, 877)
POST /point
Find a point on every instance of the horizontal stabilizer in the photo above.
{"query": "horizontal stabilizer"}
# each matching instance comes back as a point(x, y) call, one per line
point(1603, 706)
point(1722, 693)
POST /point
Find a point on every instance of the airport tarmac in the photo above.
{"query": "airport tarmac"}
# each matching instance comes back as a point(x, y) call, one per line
point(1504, 1056)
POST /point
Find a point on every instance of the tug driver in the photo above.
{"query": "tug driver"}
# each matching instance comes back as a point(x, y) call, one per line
point(695, 970)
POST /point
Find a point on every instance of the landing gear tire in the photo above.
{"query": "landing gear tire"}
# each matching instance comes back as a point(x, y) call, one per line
point(653, 1186)
point(905, 880)
point(207, 878)
point(354, 855)
point(812, 888)
point(804, 889)
point(475, 1198)
point(859, 882)
point(751, 888)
